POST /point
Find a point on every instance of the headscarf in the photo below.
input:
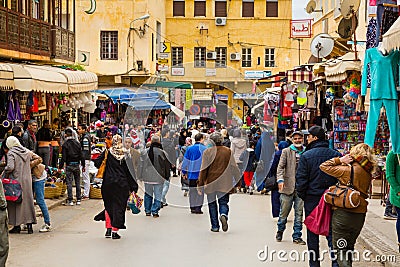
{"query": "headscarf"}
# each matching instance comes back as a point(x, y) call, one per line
point(188, 141)
point(12, 141)
point(117, 148)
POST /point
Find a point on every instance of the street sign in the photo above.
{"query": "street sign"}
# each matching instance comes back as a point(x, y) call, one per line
point(166, 47)
point(163, 61)
point(163, 55)
point(83, 58)
point(301, 28)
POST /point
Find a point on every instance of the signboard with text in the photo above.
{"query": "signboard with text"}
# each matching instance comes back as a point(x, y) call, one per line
point(178, 71)
point(256, 74)
point(301, 28)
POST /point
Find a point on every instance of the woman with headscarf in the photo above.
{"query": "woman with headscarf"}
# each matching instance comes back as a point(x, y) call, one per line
point(19, 167)
point(118, 182)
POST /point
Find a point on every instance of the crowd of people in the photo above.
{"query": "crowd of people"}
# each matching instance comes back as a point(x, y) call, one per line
point(211, 163)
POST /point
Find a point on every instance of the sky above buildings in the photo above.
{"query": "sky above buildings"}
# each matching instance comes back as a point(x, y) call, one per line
point(299, 9)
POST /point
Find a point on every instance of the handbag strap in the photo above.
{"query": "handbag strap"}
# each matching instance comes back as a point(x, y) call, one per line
point(351, 176)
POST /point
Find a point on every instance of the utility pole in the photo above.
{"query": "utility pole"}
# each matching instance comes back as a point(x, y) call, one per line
point(299, 48)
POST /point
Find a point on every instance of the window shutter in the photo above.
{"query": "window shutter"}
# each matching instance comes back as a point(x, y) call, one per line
point(199, 8)
point(179, 8)
point(220, 9)
point(272, 9)
point(247, 9)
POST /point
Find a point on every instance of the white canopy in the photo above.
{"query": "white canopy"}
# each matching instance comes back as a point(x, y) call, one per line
point(391, 39)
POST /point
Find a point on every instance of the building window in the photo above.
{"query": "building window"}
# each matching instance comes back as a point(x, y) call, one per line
point(246, 57)
point(272, 8)
point(269, 57)
point(247, 8)
point(179, 8)
point(220, 8)
point(200, 57)
point(220, 61)
point(200, 8)
point(109, 45)
point(177, 56)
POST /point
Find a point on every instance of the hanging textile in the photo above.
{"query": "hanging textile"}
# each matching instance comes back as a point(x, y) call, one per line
point(372, 2)
point(288, 100)
point(302, 93)
point(371, 34)
point(389, 17)
point(23, 99)
point(13, 109)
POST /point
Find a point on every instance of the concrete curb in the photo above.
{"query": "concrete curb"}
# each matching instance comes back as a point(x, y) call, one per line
point(377, 244)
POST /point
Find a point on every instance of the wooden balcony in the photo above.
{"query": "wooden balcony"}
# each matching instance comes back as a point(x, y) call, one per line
point(21, 33)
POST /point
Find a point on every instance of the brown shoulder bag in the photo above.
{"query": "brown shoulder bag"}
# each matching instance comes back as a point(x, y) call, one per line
point(102, 168)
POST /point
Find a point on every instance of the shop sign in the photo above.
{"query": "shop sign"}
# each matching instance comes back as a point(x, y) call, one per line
point(163, 55)
point(188, 98)
point(256, 74)
point(178, 71)
point(163, 68)
point(222, 97)
point(163, 61)
point(245, 96)
point(211, 72)
point(202, 94)
point(301, 28)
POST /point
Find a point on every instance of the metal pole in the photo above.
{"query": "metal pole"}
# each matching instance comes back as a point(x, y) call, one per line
point(299, 50)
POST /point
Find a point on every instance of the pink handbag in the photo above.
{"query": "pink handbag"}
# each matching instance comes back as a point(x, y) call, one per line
point(319, 220)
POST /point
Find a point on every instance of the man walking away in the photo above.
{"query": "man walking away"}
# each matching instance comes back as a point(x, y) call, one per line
point(219, 174)
point(86, 154)
point(43, 138)
point(286, 178)
point(4, 246)
point(169, 147)
point(311, 183)
point(191, 169)
point(71, 158)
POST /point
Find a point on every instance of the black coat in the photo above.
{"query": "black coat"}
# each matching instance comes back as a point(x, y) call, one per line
point(117, 183)
point(310, 180)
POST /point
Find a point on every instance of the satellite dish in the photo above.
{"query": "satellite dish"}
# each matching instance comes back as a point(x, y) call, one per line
point(345, 28)
point(348, 7)
point(311, 6)
point(322, 45)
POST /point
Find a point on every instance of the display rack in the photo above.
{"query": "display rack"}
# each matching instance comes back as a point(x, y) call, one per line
point(349, 126)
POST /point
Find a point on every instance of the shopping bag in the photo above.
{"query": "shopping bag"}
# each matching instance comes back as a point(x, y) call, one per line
point(319, 220)
point(135, 203)
point(12, 189)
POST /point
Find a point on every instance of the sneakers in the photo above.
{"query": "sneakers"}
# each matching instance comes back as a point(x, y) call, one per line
point(299, 241)
point(224, 221)
point(389, 216)
point(279, 236)
point(215, 230)
point(68, 203)
point(45, 228)
point(78, 202)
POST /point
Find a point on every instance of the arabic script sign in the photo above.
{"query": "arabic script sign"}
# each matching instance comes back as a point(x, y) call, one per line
point(301, 28)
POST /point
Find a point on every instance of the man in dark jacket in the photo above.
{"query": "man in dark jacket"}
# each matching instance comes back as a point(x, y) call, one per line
point(29, 136)
point(153, 169)
point(72, 157)
point(4, 246)
point(311, 183)
point(86, 154)
point(168, 145)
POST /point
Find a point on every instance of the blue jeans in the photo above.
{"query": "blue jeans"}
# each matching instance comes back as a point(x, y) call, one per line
point(38, 189)
point(287, 202)
point(223, 200)
point(165, 191)
point(398, 224)
point(152, 192)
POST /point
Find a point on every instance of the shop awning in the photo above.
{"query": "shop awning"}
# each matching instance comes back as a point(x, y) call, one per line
point(391, 39)
point(6, 77)
point(28, 78)
point(169, 84)
point(299, 76)
point(335, 70)
point(127, 94)
point(147, 104)
point(78, 81)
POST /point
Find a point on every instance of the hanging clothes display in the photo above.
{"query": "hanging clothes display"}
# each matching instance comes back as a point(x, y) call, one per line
point(371, 34)
point(288, 100)
point(372, 2)
point(384, 70)
point(302, 93)
point(13, 109)
point(379, 16)
point(389, 17)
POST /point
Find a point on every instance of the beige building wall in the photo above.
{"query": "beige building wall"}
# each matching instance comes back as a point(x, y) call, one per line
point(258, 32)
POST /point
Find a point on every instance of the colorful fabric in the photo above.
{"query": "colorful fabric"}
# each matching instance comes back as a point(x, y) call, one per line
point(371, 34)
point(365, 163)
point(389, 17)
point(302, 93)
point(117, 149)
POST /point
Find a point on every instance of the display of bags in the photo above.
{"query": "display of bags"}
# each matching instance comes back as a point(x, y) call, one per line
point(343, 196)
point(12, 189)
point(102, 168)
point(319, 220)
point(135, 203)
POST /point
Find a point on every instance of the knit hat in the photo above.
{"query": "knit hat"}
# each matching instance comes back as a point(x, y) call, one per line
point(317, 131)
point(12, 141)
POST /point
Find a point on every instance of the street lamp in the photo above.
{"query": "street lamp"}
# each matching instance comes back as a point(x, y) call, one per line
point(131, 41)
point(141, 31)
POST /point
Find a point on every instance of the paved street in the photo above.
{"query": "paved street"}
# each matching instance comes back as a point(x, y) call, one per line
point(177, 238)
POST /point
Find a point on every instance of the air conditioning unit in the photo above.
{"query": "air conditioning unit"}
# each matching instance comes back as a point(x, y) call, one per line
point(211, 55)
point(220, 21)
point(235, 56)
